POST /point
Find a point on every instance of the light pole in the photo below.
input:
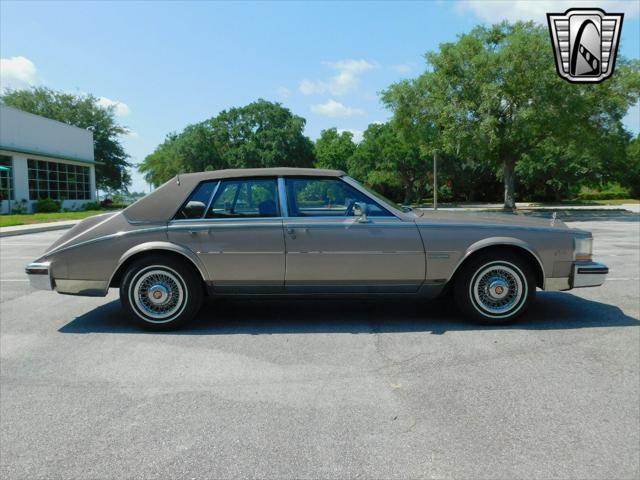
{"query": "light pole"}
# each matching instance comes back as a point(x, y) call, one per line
point(435, 180)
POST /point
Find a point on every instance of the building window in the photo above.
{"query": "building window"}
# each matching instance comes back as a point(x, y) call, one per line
point(6, 178)
point(58, 181)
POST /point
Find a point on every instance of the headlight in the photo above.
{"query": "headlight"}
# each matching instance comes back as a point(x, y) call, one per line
point(582, 248)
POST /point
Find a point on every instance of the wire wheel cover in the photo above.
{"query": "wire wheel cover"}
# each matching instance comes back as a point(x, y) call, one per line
point(498, 289)
point(158, 293)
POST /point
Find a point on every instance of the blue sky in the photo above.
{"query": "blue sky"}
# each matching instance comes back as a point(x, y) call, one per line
point(167, 64)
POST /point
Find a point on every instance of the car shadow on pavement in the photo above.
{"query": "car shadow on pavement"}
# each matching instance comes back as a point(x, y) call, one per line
point(297, 316)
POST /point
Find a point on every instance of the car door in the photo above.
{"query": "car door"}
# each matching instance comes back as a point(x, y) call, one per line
point(330, 251)
point(235, 227)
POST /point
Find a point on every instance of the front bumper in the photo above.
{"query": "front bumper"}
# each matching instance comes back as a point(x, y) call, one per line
point(588, 274)
point(583, 274)
point(39, 274)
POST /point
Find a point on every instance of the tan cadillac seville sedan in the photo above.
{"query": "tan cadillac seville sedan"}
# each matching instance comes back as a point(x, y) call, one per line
point(288, 231)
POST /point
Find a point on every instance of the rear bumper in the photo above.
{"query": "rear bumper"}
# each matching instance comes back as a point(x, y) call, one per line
point(588, 274)
point(39, 274)
point(583, 274)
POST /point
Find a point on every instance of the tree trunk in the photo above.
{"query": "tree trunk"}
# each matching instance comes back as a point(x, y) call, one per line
point(407, 194)
point(509, 173)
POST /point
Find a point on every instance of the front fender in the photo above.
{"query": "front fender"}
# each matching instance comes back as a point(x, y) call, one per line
point(500, 241)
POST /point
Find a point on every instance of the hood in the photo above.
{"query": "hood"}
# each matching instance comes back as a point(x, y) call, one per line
point(485, 218)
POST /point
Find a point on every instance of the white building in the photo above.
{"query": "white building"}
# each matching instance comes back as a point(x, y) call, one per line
point(46, 159)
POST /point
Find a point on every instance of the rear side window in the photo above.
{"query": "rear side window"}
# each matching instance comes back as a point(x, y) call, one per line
point(197, 203)
point(246, 198)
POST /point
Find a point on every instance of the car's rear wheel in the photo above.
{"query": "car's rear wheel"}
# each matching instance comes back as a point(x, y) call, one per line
point(161, 293)
point(495, 288)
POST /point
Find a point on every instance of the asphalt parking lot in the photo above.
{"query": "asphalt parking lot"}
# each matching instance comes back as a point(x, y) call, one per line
point(324, 389)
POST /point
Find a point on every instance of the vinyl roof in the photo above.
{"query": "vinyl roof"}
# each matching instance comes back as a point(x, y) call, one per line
point(263, 172)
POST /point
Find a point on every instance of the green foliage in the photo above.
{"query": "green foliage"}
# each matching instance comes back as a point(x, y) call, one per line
point(632, 167)
point(91, 206)
point(610, 192)
point(19, 207)
point(386, 161)
point(261, 134)
point(47, 205)
point(333, 150)
point(493, 98)
point(82, 111)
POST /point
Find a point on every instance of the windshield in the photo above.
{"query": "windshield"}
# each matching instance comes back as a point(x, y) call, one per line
point(379, 196)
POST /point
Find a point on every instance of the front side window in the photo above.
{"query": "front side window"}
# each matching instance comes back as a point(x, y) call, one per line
point(196, 204)
point(327, 197)
point(253, 197)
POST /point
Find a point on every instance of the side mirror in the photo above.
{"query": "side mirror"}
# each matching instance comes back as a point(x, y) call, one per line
point(361, 210)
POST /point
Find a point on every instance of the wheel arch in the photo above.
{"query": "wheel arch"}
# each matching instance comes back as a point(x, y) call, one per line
point(502, 244)
point(150, 248)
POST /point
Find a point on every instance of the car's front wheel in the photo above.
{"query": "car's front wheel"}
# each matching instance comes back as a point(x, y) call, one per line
point(161, 292)
point(495, 288)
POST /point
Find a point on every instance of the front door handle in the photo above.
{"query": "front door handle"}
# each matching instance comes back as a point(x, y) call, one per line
point(291, 232)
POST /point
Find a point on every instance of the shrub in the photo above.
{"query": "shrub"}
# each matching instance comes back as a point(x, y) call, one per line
point(610, 192)
point(19, 207)
point(91, 206)
point(116, 206)
point(47, 205)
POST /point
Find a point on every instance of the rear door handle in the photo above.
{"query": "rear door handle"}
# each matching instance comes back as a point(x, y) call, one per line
point(196, 232)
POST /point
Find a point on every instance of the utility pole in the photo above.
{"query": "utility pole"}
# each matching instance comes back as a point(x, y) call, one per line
point(435, 180)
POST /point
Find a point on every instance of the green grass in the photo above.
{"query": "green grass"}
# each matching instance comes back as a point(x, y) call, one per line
point(28, 219)
point(621, 201)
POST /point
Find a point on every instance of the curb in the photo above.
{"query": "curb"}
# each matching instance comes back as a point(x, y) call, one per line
point(36, 228)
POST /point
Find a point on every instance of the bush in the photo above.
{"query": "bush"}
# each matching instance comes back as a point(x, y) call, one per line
point(47, 205)
point(116, 206)
point(91, 206)
point(610, 192)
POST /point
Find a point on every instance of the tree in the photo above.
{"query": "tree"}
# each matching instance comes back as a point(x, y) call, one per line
point(333, 150)
point(494, 97)
point(385, 160)
point(632, 179)
point(82, 111)
point(261, 134)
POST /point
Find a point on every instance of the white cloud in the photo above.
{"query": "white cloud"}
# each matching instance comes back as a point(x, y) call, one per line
point(346, 80)
point(403, 68)
point(121, 109)
point(357, 134)
point(17, 73)
point(335, 109)
point(494, 11)
point(284, 93)
point(632, 119)
point(131, 134)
